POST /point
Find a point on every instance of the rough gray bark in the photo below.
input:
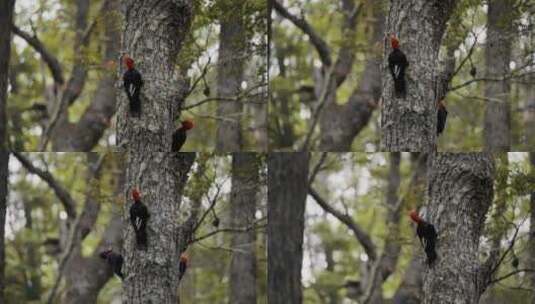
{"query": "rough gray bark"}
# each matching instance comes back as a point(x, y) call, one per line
point(230, 68)
point(497, 126)
point(340, 124)
point(460, 192)
point(409, 124)
point(530, 263)
point(151, 275)
point(244, 193)
point(288, 187)
point(153, 34)
point(6, 16)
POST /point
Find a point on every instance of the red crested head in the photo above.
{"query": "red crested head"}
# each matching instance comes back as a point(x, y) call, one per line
point(394, 41)
point(415, 217)
point(129, 62)
point(187, 124)
point(183, 258)
point(136, 195)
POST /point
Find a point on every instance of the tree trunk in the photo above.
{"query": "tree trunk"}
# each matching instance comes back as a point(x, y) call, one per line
point(340, 124)
point(409, 123)
point(85, 134)
point(460, 192)
point(230, 66)
point(410, 289)
point(531, 240)
point(86, 276)
point(153, 35)
point(6, 16)
point(288, 187)
point(244, 194)
point(497, 127)
point(151, 275)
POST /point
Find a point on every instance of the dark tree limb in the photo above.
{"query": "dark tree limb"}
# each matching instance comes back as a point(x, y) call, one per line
point(363, 238)
point(52, 62)
point(63, 195)
point(321, 46)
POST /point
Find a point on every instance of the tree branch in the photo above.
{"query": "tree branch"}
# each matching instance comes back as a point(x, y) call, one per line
point(51, 61)
point(363, 238)
point(62, 194)
point(320, 45)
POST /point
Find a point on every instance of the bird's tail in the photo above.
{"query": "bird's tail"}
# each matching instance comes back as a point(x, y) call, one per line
point(399, 87)
point(141, 238)
point(135, 104)
point(430, 252)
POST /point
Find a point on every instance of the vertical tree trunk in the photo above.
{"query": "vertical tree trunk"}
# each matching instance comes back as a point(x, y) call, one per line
point(85, 276)
point(153, 35)
point(151, 275)
point(497, 126)
point(460, 192)
point(86, 133)
point(340, 124)
point(410, 289)
point(230, 66)
point(288, 187)
point(531, 240)
point(244, 194)
point(409, 124)
point(6, 16)
point(529, 115)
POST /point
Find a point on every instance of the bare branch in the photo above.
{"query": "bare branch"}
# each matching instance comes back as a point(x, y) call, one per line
point(60, 191)
point(363, 238)
point(511, 274)
point(244, 229)
point(51, 60)
point(317, 168)
point(321, 46)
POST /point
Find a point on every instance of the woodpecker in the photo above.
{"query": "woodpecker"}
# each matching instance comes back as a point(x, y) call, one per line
point(182, 266)
point(179, 137)
point(115, 260)
point(442, 114)
point(427, 234)
point(139, 215)
point(397, 63)
point(473, 71)
point(132, 85)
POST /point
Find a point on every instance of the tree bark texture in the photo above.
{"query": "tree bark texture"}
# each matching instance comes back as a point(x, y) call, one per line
point(409, 123)
point(244, 194)
point(531, 240)
point(288, 187)
point(6, 16)
point(230, 68)
point(460, 192)
point(151, 275)
point(497, 126)
point(153, 34)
